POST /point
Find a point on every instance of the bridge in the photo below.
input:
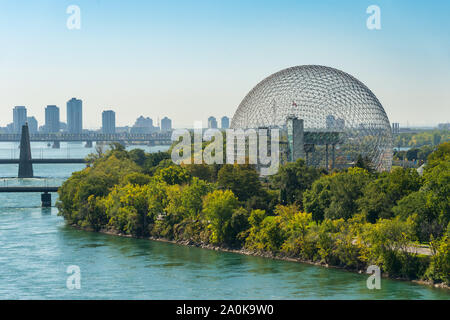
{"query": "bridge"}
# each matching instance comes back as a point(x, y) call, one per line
point(156, 138)
point(26, 162)
point(28, 189)
point(40, 161)
point(46, 197)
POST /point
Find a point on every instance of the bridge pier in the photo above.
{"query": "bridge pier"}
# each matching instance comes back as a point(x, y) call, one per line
point(56, 145)
point(46, 200)
point(25, 164)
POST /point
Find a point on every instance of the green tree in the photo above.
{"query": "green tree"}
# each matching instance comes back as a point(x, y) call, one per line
point(174, 174)
point(382, 194)
point(218, 207)
point(388, 244)
point(439, 269)
point(135, 178)
point(335, 196)
point(243, 180)
point(364, 163)
point(293, 179)
point(192, 197)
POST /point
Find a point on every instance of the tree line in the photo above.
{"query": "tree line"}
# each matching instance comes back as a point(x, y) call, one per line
point(349, 218)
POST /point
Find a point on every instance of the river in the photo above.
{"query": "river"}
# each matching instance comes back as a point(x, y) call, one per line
point(36, 248)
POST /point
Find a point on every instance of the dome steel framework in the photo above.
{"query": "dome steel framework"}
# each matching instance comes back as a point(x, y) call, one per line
point(329, 101)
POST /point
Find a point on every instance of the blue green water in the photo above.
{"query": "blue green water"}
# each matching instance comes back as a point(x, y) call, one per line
point(36, 247)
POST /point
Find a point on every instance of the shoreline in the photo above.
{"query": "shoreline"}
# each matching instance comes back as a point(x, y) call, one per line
point(268, 255)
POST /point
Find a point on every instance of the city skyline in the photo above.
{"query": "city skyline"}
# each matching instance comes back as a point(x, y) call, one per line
point(52, 116)
point(53, 122)
point(137, 58)
point(100, 125)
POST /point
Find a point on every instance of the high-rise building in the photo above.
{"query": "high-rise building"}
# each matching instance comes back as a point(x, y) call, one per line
point(19, 118)
point(52, 119)
point(395, 128)
point(108, 121)
point(225, 122)
point(75, 116)
point(166, 124)
point(212, 123)
point(32, 125)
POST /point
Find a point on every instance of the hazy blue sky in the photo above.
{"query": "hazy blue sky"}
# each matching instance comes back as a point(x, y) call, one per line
point(192, 59)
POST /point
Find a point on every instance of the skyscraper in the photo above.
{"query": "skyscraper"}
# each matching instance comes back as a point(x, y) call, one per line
point(52, 119)
point(75, 116)
point(19, 118)
point(212, 123)
point(32, 125)
point(108, 121)
point(166, 124)
point(225, 122)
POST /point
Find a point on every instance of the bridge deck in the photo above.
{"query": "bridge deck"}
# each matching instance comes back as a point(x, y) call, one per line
point(16, 161)
point(28, 189)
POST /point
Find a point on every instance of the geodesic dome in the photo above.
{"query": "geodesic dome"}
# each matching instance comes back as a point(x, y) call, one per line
point(328, 100)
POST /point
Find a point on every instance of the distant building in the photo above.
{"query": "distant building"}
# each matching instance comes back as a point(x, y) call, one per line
point(225, 122)
point(166, 124)
point(334, 123)
point(143, 125)
point(63, 126)
point(444, 126)
point(395, 128)
point(212, 123)
point(32, 125)
point(75, 116)
point(108, 121)
point(19, 118)
point(10, 127)
point(52, 123)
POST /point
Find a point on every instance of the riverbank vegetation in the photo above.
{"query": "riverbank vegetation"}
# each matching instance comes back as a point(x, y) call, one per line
point(349, 218)
point(421, 138)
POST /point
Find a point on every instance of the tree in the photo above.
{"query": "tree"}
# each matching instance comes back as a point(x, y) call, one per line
point(364, 163)
point(293, 179)
point(412, 154)
point(382, 194)
point(317, 199)
point(388, 245)
point(243, 180)
point(154, 161)
point(136, 178)
point(218, 207)
point(127, 208)
point(138, 156)
point(192, 197)
point(442, 153)
point(334, 196)
point(439, 268)
point(174, 174)
point(96, 181)
point(432, 202)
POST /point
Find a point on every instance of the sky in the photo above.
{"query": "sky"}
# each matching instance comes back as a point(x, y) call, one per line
point(191, 59)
